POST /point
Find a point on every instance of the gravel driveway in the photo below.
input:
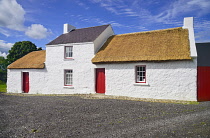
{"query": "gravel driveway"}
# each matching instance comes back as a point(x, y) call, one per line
point(74, 116)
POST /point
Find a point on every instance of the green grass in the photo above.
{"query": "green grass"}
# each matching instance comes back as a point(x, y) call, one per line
point(3, 87)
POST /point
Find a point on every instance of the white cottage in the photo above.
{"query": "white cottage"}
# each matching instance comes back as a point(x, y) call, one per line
point(158, 64)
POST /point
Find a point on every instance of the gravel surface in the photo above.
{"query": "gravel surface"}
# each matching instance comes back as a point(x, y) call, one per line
point(74, 116)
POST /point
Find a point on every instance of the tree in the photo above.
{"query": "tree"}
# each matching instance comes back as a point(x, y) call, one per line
point(20, 49)
point(3, 69)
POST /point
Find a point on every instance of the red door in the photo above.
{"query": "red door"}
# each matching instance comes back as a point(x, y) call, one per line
point(100, 80)
point(26, 82)
point(203, 83)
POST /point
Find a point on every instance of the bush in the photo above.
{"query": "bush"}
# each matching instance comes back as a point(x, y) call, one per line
point(1, 82)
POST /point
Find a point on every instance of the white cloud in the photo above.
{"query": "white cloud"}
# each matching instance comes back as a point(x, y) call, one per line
point(11, 15)
point(4, 32)
point(5, 47)
point(184, 8)
point(202, 30)
point(202, 36)
point(102, 22)
point(109, 5)
point(202, 6)
point(202, 24)
point(3, 54)
point(37, 31)
point(166, 13)
point(82, 4)
point(130, 12)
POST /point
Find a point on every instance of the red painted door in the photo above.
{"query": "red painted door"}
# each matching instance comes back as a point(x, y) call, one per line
point(100, 80)
point(26, 82)
point(203, 83)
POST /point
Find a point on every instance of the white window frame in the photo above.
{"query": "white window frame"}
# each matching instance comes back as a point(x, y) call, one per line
point(68, 52)
point(140, 74)
point(68, 77)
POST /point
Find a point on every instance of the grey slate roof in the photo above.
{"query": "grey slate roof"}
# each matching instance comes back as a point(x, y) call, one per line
point(203, 50)
point(79, 35)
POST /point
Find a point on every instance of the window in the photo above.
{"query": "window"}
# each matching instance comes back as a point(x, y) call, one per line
point(68, 77)
point(140, 74)
point(68, 51)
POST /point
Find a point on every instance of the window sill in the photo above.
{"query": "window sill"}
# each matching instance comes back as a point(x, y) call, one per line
point(141, 84)
point(68, 87)
point(68, 59)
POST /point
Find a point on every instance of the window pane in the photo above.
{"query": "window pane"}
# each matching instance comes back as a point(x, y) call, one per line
point(141, 74)
point(141, 69)
point(141, 79)
point(138, 79)
point(66, 53)
point(67, 81)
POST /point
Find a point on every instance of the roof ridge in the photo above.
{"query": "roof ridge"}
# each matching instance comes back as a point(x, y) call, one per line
point(93, 26)
point(37, 51)
point(161, 30)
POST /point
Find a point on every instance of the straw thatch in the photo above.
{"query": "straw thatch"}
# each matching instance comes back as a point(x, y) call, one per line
point(33, 60)
point(160, 45)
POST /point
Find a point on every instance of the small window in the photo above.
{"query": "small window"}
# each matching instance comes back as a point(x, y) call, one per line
point(68, 77)
point(68, 51)
point(140, 74)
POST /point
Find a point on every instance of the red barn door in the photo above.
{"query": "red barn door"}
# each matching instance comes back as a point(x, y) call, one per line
point(25, 82)
point(100, 80)
point(203, 83)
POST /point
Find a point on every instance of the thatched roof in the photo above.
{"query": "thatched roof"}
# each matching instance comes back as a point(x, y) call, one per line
point(79, 35)
point(160, 45)
point(33, 60)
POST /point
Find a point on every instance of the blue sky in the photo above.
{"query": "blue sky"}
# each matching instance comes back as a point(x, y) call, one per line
point(41, 21)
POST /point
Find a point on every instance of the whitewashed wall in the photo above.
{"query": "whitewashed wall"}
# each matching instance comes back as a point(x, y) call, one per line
point(83, 69)
point(166, 80)
point(37, 80)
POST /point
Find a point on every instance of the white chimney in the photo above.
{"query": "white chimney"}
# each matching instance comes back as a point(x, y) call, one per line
point(68, 28)
point(188, 24)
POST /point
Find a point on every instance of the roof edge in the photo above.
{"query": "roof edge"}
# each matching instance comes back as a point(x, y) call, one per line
point(152, 31)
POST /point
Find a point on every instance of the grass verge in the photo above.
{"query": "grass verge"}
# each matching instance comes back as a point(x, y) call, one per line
point(3, 87)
